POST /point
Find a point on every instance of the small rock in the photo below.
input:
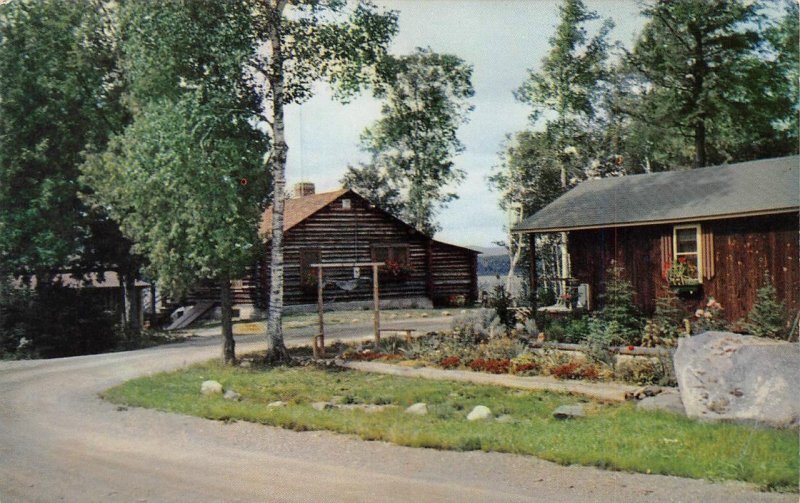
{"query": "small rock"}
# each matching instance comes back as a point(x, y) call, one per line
point(279, 403)
point(354, 320)
point(323, 406)
point(446, 313)
point(463, 311)
point(480, 412)
point(505, 418)
point(569, 412)
point(336, 400)
point(232, 395)
point(424, 315)
point(669, 402)
point(245, 364)
point(420, 409)
point(211, 388)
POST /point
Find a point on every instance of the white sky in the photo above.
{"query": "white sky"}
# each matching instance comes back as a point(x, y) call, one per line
point(501, 39)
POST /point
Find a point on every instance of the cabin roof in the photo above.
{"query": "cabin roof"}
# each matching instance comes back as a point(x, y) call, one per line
point(762, 187)
point(296, 210)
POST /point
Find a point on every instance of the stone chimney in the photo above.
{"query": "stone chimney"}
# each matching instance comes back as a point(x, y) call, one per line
point(302, 189)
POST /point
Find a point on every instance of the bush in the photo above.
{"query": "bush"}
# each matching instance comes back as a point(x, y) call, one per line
point(450, 362)
point(667, 322)
point(709, 317)
point(491, 365)
point(54, 321)
point(525, 364)
point(502, 303)
point(619, 307)
point(767, 318)
point(475, 327)
point(647, 370)
point(601, 336)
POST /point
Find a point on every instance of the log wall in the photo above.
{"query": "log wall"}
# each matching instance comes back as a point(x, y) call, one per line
point(743, 250)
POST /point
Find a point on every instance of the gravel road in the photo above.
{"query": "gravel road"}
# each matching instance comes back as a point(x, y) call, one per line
point(60, 442)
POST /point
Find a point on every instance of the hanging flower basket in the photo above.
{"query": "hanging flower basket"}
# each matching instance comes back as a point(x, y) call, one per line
point(395, 272)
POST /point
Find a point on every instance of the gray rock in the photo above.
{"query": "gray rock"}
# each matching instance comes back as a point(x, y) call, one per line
point(669, 402)
point(279, 403)
point(211, 388)
point(232, 395)
point(728, 377)
point(323, 406)
point(569, 411)
point(420, 409)
point(479, 413)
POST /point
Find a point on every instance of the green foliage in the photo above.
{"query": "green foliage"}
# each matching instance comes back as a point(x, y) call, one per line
point(667, 322)
point(59, 99)
point(702, 71)
point(185, 179)
point(611, 436)
point(646, 370)
point(502, 303)
point(709, 317)
point(54, 321)
point(413, 143)
point(767, 317)
point(376, 186)
point(619, 308)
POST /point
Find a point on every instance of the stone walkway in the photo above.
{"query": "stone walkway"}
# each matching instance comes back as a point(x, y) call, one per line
point(611, 392)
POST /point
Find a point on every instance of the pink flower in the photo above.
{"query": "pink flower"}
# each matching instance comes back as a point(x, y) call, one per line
point(707, 315)
point(699, 313)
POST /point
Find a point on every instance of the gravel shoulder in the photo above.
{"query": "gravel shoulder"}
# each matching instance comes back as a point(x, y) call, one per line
point(59, 441)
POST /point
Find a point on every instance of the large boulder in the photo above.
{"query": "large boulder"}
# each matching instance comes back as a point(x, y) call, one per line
point(728, 377)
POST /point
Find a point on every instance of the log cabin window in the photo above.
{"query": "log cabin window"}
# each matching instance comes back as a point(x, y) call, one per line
point(396, 253)
point(308, 274)
point(687, 249)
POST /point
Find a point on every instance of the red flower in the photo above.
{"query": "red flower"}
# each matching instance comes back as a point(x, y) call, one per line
point(630, 348)
point(682, 260)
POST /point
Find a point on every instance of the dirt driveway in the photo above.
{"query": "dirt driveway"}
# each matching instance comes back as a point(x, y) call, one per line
point(60, 442)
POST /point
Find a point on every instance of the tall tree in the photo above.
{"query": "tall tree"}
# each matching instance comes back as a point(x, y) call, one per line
point(564, 95)
point(700, 71)
point(59, 99)
point(185, 179)
point(307, 41)
point(375, 185)
point(413, 144)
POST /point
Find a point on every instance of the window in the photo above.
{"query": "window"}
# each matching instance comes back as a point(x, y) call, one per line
point(308, 274)
point(346, 205)
point(687, 252)
point(394, 253)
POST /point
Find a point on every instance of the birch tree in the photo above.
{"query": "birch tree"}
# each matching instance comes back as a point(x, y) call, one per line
point(306, 41)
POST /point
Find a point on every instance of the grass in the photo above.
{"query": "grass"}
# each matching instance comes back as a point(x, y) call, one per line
point(616, 437)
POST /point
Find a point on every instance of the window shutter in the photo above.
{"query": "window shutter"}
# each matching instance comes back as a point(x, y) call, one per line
point(666, 252)
point(708, 252)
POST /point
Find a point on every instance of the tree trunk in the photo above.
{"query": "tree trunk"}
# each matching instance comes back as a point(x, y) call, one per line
point(276, 349)
point(700, 143)
point(132, 302)
point(228, 344)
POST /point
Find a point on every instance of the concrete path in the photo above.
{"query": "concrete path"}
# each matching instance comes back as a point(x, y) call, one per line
point(60, 442)
point(612, 392)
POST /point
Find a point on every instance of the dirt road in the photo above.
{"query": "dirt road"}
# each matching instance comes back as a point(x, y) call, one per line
point(60, 442)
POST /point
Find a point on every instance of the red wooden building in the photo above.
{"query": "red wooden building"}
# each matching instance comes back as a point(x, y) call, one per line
point(344, 227)
point(722, 228)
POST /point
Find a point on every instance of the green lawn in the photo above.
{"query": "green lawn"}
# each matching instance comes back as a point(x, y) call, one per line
point(616, 437)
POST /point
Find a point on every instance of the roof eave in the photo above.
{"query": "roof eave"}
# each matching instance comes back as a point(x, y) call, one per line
point(667, 221)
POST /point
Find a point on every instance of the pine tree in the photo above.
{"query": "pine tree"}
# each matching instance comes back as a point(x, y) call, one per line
point(767, 317)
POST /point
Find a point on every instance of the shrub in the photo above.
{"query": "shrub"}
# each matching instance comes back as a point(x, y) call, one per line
point(664, 328)
point(474, 327)
point(601, 336)
point(450, 362)
point(569, 370)
point(646, 370)
point(619, 307)
point(491, 365)
point(502, 303)
point(525, 364)
point(54, 321)
point(709, 317)
point(502, 347)
point(767, 318)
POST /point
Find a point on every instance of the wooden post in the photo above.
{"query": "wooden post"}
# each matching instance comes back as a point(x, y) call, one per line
point(377, 302)
point(321, 317)
point(532, 279)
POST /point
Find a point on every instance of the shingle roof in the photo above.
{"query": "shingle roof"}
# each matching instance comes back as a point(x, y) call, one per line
point(747, 188)
point(298, 209)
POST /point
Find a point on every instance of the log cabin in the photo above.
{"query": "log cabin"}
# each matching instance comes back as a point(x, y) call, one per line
point(344, 227)
point(708, 232)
